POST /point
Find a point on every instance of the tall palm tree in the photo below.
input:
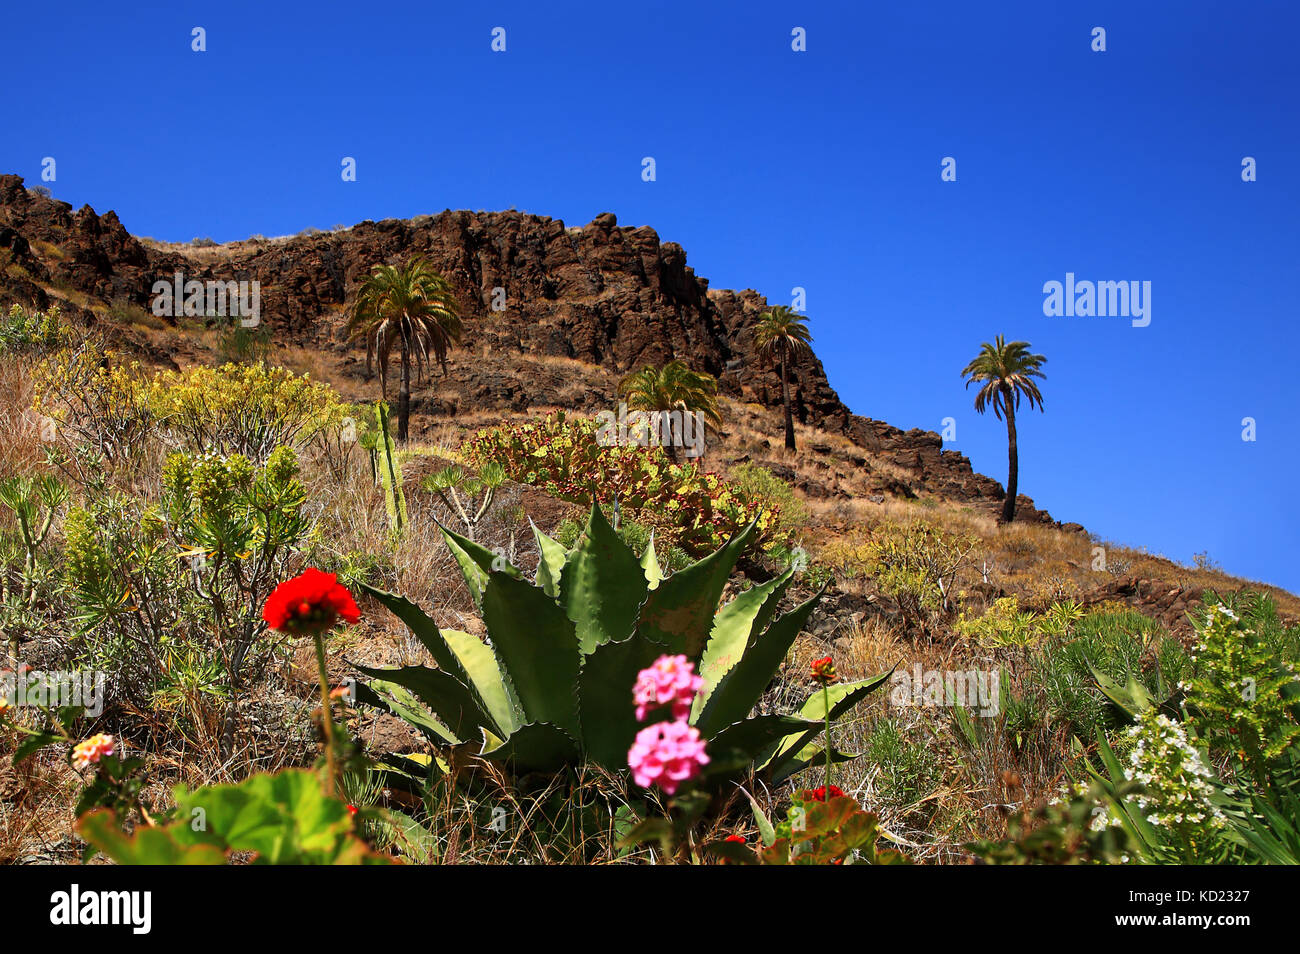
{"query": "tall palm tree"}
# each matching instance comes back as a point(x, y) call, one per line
point(1006, 373)
point(412, 306)
point(674, 387)
point(782, 336)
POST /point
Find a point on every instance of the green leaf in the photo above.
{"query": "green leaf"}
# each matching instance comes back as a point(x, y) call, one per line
point(461, 655)
point(148, 846)
point(476, 562)
point(34, 743)
point(734, 628)
point(741, 687)
point(602, 586)
point(443, 694)
point(551, 562)
point(679, 612)
point(538, 649)
point(751, 736)
point(285, 818)
point(536, 747)
point(765, 829)
point(650, 564)
point(843, 697)
point(401, 703)
point(605, 688)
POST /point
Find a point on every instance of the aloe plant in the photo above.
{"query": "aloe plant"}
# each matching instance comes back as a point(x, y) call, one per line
point(552, 685)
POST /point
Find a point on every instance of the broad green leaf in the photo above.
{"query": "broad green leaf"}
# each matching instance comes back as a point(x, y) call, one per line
point(740, 687)
point(148, 846)
point(443, 694)
point(536, 747)
point(843, 697)
point(537, 647)
point(679, 612)
point(551, 562)
point(476, 562)
point(461, 655)
point(602, 586)
point(403, 704)
point(605, 687)
point(736, 626)
point(650, 564)
point(751, 736)
point(284, 817)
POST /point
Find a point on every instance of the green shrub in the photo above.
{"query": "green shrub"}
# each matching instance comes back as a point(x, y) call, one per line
point(1116, 644)
point(908, 770)
point(32, 332)
point(168, 596)
point(687, 507)
point(758, 483)
point(243, 409)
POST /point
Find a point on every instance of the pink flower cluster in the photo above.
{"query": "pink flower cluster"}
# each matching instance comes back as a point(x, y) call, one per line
point(667, 754)
point(670, 680)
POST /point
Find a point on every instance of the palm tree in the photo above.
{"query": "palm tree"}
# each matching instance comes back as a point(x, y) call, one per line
point(782, 336)
point(1007, 373)
point(674, 387)
point(411, 305)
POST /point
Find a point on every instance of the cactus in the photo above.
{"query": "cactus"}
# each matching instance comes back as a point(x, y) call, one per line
point(390, 472)
point(552, 686)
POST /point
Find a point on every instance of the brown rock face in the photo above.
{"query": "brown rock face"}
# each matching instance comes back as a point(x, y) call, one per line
point(603, 294)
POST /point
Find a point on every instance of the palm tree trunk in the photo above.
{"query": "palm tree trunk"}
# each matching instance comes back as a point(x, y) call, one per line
point(404, 395)
point(1013, 465)
point(785, 400)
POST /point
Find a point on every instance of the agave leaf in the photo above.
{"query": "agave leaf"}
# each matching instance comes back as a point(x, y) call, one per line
point(737, 625)
point(551, 563)
point(602, 586)
point(535, 747)
point(740, 687)
point(650, 563)
point(679, 612)
point(605, 688)
point(538, 649)
point(400, 702)
point(444, 695)
point(843, 697)
point(765, 829)
point(810, 755)
point(476, 562)
point(751, 736)
point(463, 656)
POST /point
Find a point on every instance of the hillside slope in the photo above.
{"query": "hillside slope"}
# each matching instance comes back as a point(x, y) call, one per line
point(582, 306)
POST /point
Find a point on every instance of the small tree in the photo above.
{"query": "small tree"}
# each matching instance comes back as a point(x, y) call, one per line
point(411, 308)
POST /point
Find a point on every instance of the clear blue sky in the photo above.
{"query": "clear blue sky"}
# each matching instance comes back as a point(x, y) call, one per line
point(777, 169)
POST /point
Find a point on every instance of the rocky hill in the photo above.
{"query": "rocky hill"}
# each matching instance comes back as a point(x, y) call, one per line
point(600, 299)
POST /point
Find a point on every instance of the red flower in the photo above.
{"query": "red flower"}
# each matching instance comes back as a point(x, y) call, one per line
point(309, 604)
point(819, 793)
point(823, 670)
point(352, 809)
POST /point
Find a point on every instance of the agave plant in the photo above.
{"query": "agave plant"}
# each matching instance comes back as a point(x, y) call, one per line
point(552, 684)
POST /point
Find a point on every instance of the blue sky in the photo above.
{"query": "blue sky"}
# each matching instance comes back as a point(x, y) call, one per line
point(777, 169)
